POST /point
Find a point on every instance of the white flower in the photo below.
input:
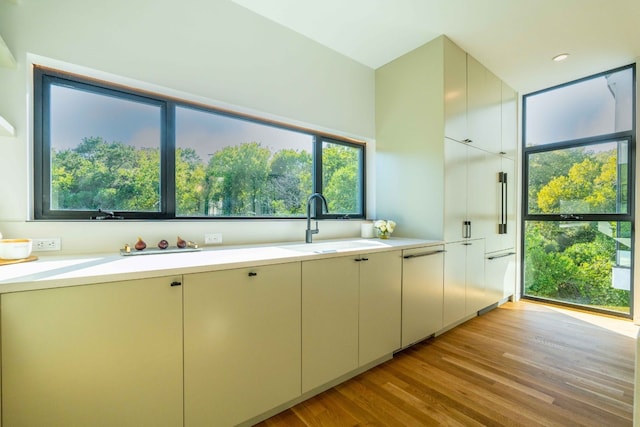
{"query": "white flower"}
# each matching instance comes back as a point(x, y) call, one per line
point(385, 225)
point(391, 225)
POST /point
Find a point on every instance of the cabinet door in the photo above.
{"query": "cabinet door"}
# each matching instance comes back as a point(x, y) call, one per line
point(482, 177)
point(97, 355)
point(329, 320)
point(422, 293)
point(455, 194)
point(509, 121)
point(455, 288)
point(484, 112)
point(241, 343)
point(455, 92)
point(476, 297)
point(380, 305)
point(502, 197)
point(500, 276)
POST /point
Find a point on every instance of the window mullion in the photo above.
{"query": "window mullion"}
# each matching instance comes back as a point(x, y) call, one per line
point(317, 174)
point(168, 161)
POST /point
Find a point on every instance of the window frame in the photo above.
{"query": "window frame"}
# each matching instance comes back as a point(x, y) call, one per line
point(45, 77)
point(565, 145)
point(630, 137)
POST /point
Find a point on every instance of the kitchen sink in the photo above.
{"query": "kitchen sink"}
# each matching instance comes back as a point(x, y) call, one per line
point(339, 246)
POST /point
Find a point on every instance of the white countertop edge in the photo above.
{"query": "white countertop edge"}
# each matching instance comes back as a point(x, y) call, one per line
point(64, 271)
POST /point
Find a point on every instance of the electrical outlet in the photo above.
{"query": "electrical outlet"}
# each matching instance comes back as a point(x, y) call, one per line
point(213, 238)
point(52, 244)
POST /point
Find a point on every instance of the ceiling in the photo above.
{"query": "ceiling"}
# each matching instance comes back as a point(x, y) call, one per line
point(515, 39)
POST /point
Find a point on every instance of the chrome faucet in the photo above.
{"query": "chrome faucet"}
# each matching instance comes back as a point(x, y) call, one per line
point(309, 234)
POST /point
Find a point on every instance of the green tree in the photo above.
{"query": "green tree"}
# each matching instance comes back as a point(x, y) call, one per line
point(340, 178)
point(190, 183)
point(589, 186)
point(237, 176)
point(289, 182)
point(108, 175)
point(544, 167)
point(574, 261)
point(241, 180)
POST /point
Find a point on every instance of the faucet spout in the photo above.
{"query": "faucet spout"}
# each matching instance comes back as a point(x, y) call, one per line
point(310, 232)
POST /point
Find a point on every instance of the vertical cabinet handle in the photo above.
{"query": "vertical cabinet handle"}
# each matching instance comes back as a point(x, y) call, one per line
point(502, 179)
point(506, 211)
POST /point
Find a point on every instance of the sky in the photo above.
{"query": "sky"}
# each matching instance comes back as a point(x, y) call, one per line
point(579, 110)
point(76, 114)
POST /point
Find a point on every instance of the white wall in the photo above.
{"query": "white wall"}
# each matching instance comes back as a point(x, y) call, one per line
point(211, 51)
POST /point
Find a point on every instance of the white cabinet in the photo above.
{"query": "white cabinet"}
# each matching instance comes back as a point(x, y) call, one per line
point(241, 342)
point(475, 281)
point(433, 94)
point(380, 305)
point(456, 190)
point(455, 91)
point(473, 100)
point(351, 314)
point(500, 260)
point(484, 114)
point(455, 284)
point(464, 287)
point(329, 320)
point(422, 293)
point(470, 184)
point(500, 275)
point(501, 230)
point(106, 354)
point(509, 122)
point(479, 192)
point(409, 142)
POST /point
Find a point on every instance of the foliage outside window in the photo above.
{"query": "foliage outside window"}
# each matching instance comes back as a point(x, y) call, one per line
point(578, 187)
point(100, 146)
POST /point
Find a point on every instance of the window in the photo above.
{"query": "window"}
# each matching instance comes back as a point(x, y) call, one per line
point(578, 217)
point(104, 147)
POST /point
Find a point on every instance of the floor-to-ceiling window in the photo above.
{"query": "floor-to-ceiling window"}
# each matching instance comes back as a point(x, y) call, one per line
point(578, 164)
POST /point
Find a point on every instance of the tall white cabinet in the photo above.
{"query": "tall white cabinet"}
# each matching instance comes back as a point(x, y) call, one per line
point(446, 138)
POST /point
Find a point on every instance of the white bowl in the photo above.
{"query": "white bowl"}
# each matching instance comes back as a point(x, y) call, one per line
point(15, 248)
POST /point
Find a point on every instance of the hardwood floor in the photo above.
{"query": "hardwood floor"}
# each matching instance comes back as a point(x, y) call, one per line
point(521, 364)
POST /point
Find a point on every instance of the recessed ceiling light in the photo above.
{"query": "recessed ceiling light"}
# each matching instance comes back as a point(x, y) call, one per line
point(560, 57)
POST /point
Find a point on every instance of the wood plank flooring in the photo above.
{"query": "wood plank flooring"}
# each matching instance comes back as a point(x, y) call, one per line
point(522, 364)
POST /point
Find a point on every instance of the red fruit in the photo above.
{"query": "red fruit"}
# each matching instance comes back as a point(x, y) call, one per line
point(140, 244)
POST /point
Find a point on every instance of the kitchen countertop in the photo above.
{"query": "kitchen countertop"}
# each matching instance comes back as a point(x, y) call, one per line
point(63, 271)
